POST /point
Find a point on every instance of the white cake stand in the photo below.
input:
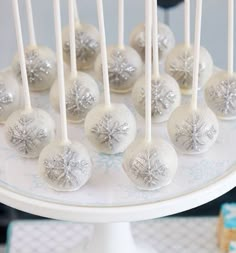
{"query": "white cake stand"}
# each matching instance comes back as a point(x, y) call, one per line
point(110, 200)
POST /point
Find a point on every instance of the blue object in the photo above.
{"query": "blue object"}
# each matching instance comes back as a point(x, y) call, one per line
point(228, 212)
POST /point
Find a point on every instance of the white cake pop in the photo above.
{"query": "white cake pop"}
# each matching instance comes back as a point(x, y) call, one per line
point(193, 129)
point(109, 127)
point(165, 90)
point(27, 130)
point(65, 166)
point(150, 165)
point(40, 60)
point(9, 94)
point(220, 91)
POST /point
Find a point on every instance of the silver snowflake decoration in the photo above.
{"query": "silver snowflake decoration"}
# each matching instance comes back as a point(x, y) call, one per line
point(147, 167)
point(194, 133)
point(36, 67)
point(223, 96)
point(162, 98)
point(66, 169)
point(110, 132)
point(5, 97)
point(119, 69)
point(25, 136)
point(182, 69)
point(79, 100)
point(86, 47)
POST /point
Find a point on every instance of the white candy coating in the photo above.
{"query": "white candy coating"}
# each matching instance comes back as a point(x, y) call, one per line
point(110, 129)
point(166, 40)
point(28, 132)
point(220, 95)
point(9, 94)
point(165, 97)
point(87, 41)
point(193, 132)
point(65, 167)
point(40, 66)
point(179, 64)
point(82, 94)
point(124, 68)
point(150, 166)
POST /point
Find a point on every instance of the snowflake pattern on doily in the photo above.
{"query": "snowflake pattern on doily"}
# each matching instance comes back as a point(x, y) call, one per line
point(162, 98)
point(182, 69)
point(119, 69)
point(109, 131)
point(25, 136)
point(79, 100)
point(223, 96)
point(86, 47)
point(194, 133)
point(147, 167)
point(5, 97)
point(66, 169)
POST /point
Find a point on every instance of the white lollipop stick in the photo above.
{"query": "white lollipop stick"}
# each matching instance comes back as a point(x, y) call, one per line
point(21, 52)
point(156, 70)
point(30, 19)
point(121, 24)
point(230, 36)
point(60, 70)
point(103, 52)
point(197, 42)
point(72, 38)
point(148, 69)
point(187, 22)
point(76, 11)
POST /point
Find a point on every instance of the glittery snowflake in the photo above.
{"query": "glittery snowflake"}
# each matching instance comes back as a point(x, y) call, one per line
point(66, 170)
point(79, 100)
point(109, 132)
point(36, 67)
point(223, 96)
point(162, 98)
point(120, 70)
point(148, 168)
point(86, 47)
point(194, 133)
point(25, 136)
point(182, 69)
point(5, 98)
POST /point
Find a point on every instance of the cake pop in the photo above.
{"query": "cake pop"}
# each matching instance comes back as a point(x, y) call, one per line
point(220, 91)
point(81, 90)
point(27, 130)
point(165, 90)
point(40, 60)
point(149, 165)
point(64, 165)
point(193, 129)
point(180, 60)
point(109, 127)
point(86, 41)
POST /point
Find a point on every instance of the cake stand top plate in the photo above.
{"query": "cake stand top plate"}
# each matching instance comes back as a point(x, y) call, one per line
point(109, 196)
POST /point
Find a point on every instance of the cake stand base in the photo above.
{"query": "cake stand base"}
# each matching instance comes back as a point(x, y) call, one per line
point(113, 238)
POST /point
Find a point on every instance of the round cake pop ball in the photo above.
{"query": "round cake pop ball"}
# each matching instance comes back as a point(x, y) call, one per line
point(9, 95)
point(65, 167)
point(193, 132)
point(82, 94)
point(179, 64)
point(124, 67)
point(110, 129)
point(165, 97)
point(220, 95)
point(28, 132)
point(150, 166)
point(87, 45)
point(166, 40)
point(40, 67)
